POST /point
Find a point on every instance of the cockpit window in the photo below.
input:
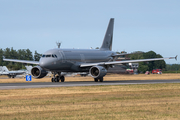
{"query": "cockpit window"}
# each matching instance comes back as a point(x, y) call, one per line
point(49, 55)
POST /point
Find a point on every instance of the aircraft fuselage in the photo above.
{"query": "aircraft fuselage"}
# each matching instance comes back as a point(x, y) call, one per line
point(68, 60)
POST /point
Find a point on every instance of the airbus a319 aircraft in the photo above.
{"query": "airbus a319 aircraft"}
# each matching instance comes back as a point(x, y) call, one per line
point(94, 61)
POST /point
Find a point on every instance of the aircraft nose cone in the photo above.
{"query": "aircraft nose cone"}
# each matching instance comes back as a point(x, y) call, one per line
point(46, 63)
point(42, 63)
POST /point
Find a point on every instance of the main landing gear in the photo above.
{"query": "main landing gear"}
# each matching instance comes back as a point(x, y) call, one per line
point(57, 78)
point(100, 79)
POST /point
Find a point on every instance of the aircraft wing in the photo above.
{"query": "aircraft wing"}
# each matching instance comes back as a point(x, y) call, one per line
point(16, 72)
point(12, 73)
point(4, 73)
point(121, 62)
point(22, 61)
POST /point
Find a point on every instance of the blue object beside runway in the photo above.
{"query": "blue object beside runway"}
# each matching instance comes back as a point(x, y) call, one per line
point(28, 78)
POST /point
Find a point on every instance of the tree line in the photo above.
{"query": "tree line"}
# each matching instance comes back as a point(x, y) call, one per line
point(21, 54)
point(26, 54)
point(148, 66)
point(173, 68)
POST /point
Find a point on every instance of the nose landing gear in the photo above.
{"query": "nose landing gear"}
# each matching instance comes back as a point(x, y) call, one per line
point(100, 79)
point(57, 78)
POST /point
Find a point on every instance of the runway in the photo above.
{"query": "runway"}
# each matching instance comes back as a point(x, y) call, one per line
point(4, 86)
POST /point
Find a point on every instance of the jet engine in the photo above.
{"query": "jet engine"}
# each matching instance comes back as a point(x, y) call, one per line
point(97, 71)
point(38, 72)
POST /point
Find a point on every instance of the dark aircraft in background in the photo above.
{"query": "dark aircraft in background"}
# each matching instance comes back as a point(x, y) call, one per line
point(94, 61)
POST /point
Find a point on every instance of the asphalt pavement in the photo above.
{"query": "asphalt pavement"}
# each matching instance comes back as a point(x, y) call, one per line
point(87, 83)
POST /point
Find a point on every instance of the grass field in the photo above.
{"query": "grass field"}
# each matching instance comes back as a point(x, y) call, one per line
point(108, 77)
point(134, 102)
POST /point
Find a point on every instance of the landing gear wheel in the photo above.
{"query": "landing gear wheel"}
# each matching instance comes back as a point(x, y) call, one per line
point(57, 78)
point(52, 79)
point(101, 79)
point(62, 78)
point(95, 80)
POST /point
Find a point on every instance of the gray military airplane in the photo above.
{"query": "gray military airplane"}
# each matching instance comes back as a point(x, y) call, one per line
point(94, 61)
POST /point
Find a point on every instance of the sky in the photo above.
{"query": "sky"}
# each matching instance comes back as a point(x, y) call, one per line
point(140, 25)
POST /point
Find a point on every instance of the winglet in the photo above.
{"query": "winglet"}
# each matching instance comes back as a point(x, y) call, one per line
point(173, 57)
point(176, 57)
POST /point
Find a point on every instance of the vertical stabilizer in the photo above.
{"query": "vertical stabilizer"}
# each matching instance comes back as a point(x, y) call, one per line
point(28, 69)
point(107, 42)
point(4, 69)
point(1, 70)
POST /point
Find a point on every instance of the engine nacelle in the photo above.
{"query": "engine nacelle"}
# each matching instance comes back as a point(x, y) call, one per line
point(97, 71)
point(38, 72)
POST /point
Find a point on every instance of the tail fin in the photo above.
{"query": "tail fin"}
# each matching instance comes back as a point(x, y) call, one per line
point(107, 42)
point(28, 69)
point(1, 70)
point(4, 69)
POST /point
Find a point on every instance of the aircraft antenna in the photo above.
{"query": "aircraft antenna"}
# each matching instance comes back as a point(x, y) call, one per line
point(58, 44)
